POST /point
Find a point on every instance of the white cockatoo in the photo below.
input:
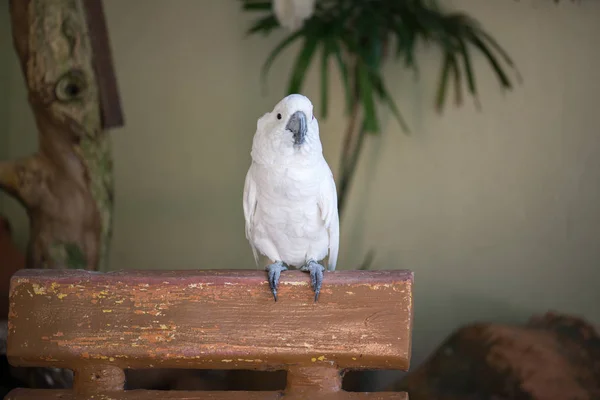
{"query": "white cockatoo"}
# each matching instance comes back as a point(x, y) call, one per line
point(290, 199)
point(291, 14)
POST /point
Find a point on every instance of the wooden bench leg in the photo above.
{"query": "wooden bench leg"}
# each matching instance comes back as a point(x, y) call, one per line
point(313, 379)
point(98, 378)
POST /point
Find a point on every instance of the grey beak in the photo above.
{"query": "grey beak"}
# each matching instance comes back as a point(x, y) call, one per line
point(298, 126)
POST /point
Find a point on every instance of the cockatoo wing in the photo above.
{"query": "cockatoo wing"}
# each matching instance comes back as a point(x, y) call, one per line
point(250, 201)
point(329, 212)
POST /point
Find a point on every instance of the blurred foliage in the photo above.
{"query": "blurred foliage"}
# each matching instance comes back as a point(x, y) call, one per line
point(359, 34)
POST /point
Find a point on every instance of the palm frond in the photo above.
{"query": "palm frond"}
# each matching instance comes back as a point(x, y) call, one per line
point(302, 63)
point(362, 30)
point(275, 52)
point(365, 93)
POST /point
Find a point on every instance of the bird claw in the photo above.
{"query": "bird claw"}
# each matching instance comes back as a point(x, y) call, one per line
point(274, 272)
point(316, 276)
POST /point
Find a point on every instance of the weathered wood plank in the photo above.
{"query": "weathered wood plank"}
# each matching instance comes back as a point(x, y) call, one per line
point(29, 394)
point(209, 319)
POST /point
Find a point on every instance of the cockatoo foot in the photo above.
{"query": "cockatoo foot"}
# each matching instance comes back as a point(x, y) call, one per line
point(316, 276)
point(273, 273)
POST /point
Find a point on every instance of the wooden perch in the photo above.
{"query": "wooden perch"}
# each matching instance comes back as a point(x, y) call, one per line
point(67, 186)
point(99, 324)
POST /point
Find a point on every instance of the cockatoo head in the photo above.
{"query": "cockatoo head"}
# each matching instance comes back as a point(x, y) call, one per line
point(290, 130)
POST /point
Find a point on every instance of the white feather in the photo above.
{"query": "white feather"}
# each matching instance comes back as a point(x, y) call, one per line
point(249, 209)
point(290, 200)
point(329, 212)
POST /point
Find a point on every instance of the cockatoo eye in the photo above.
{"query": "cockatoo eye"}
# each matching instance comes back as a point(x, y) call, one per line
point(278, 116)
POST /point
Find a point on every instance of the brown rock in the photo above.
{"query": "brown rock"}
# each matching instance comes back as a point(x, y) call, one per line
point(551, 357)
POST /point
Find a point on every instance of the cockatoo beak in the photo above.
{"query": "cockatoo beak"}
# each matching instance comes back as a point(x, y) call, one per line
point(297, 124)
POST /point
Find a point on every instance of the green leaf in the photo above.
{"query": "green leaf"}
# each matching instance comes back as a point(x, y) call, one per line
point(379, 87)
point(324, 75)
point(450, 65)
point(337, 52)
point(428, 24)
point(468, 67)
point(302, 63)
point(457, 81)
point(441, 28)
point(443, 84)
point(365, 91)
point(500, 49)
point(406, 30)
point(265, 24)
point(257, 5)
point(492, 60)
point(275, 52)
point(409, 59)
point(405, 43)
point(372, 53)
point(410, 19)
point(402, 38)
point(497, 46)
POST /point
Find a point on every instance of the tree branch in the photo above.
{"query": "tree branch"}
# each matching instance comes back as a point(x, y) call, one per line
point(9, 177)
point(23, 178)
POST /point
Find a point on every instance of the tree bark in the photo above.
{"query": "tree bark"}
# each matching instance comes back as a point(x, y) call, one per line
point(67, 185)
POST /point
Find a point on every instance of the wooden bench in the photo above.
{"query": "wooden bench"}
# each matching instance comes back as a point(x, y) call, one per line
point(99, 324)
